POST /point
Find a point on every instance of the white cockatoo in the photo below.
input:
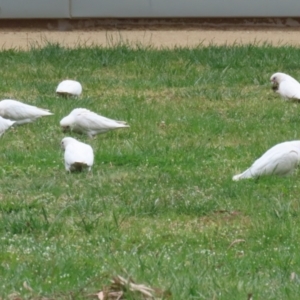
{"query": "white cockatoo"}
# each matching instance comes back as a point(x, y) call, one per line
point(78, 155)
point(286, 86)
point(69, 88)
point(281, 160)
point(82, 120)
point(5, 124)
point(20, 112)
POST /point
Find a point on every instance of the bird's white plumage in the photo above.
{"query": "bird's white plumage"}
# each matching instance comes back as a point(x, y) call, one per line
point(5, 124)
point(78, 155)
point(20, 112)
point(85, 121)
point(287, 86)
point(69, 87)
point(281, 160)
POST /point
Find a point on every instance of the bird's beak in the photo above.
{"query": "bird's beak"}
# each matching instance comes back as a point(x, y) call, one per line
point(275, 85)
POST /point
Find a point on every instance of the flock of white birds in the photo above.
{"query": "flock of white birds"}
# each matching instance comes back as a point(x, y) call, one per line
point(77, 155)
point(282, 159)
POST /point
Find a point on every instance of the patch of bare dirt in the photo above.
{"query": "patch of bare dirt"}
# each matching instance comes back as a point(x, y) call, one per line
point(22, 34)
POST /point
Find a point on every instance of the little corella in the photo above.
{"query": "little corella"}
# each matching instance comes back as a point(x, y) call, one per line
point(286, 85)
point(78, 156)
point(82, 120)
point(20, 112)
point(69, 87)
point(282, 159)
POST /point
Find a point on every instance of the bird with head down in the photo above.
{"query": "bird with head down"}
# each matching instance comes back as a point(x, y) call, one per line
point(287, 86)
point(82, 120)
point(69, 87)
point(282, 159)
point(78, 156)
point(20, 112)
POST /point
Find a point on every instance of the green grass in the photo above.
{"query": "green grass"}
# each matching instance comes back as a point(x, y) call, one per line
point(159, 205)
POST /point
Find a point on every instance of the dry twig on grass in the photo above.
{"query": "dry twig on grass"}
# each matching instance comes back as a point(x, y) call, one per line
point(120, 286)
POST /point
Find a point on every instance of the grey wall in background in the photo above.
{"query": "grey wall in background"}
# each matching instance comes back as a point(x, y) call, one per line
point(27, 9)
point(185, 8)
point(147, 8)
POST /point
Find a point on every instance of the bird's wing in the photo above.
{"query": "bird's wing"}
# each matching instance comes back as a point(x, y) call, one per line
point(290, 89)
point(280, 161)
point(89, 155)
point(93, 121)
point(19, 111)
point(5, 124)
point(70, 87)
point(79, 153)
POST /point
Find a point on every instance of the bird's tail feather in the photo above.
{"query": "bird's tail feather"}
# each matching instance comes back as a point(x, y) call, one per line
point(121, 125)
point(122, 122)
point(246, 174)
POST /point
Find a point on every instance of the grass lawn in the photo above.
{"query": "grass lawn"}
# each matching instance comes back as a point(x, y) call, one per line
point(160, 205)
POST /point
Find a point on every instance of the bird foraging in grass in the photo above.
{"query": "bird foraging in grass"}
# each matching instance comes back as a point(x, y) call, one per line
point(69, 88)
point(78, 156)
point(285, 85)
point(5, 124)
point(282, 159)
point(82, 120)
point(20, 112)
